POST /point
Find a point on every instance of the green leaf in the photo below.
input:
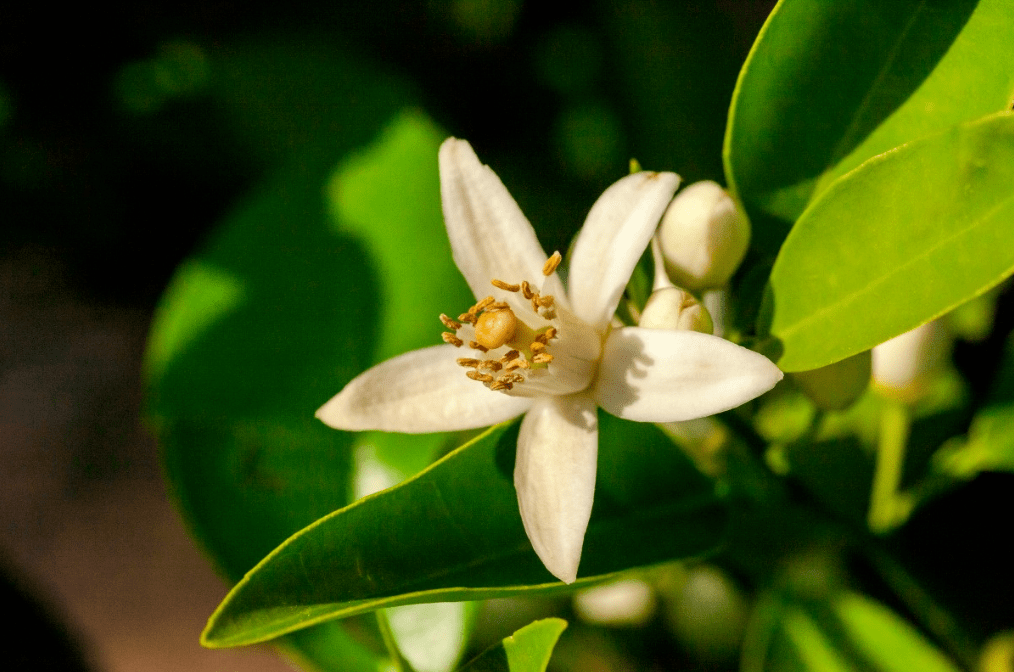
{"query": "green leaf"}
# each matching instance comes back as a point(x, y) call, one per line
point(453, 532)
point(284, 305)
point(431, 636)
point(527, 650)
point(829, 85)
point(901, 240)
point(841, 632)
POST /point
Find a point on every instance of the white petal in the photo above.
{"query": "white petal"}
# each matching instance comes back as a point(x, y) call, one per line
point(555, 478)
point(418, 392)
point(613, 238)
point(490, 236)
point(658, 375)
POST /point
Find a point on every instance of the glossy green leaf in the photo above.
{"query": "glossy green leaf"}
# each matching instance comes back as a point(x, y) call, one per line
point(901, 240)
point(527, 650)
point(828, 85)
point(431, 636)
point(846, 632)
point(454, 533)
point(284, 305)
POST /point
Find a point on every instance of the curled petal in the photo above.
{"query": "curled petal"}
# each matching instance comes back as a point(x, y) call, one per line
point(490, 236)
point(613, 238)
point(419, 392)
point(659, 375)
point(555, 478)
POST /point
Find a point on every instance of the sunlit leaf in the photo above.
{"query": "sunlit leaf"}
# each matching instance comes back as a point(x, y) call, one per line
point(903, 239)
point(527, 650)
point(454, 533)
point(831, 84)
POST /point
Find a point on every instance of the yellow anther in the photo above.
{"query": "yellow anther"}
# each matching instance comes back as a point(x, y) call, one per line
point(551, 264)
point(549, 334)
point(449, 323)
point(467, 317)
point(526, 290)
point(490, 365)
point(545, 301)
point(481, 377)
point(510, 356)
point(537, 347)
point(505, 285)
point(468, 361)
point(495, 328)
point(542, 358)
point(501, 385)
point(474, 345)
point(498, 305)
point(482, 305)
point(452, 339)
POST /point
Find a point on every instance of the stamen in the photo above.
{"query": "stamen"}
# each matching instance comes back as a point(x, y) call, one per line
point(501, 385)
point(549, 334)
point(468, 317)
point(482, 305)
point(468, 361)
point(537, 347)
point(490, 365)
point(526, 290)
point(449, 323)
point(481, 377)
point(505, 285)
point(510, 356)
point(551, 264)
point(474, 345)
point(498, 305)
point(546, 301)
point(542, 358)
point(452, 339)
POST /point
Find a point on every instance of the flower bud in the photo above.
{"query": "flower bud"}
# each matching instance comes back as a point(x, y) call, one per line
point(703, 237)
point(673, 308)
point(836, 386)
point(903, 365)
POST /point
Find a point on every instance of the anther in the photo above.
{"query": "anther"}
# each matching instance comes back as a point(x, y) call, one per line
point(452, 339)
point(468, 361)
point(537, 347)
point(526, 290)
point(474, 345)
point(449, 323)
point(482, 305)
point(551, 264)
point(500, 385)
point(467, 317)
point(542, 358)
point(481, 377)
point(549, 334)
point(510, 356)
point(545, 301)
point(490, 365)
point(498, 305)
point(505, 285)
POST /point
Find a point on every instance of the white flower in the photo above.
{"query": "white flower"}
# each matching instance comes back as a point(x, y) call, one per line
point(530, 347)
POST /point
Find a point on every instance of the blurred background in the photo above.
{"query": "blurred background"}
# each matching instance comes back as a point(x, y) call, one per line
point(126, 136)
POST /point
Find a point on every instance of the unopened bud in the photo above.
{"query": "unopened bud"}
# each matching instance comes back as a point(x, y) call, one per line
point(836, 386)
point(703, 237)
point(673, 308)
point(903, 366)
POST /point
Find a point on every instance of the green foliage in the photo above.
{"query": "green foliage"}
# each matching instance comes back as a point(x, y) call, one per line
point(436, 537)
point(527, 650)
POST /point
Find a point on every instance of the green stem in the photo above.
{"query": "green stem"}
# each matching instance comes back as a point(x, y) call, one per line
point(398, 661)
point(887, 507)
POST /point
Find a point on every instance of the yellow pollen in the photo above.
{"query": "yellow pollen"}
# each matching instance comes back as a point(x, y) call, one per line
point(526, 290)
point(542, 358)
point(511, 355)
point(495, 328)
point(474, 345)
point(551, 264)
point(490, 365)
point(467, 317)
point(467, 361)
point(545, 301)
point(452, 339)
point(482, 305)
point(537, 347)
point(449, 323)
point(550, 333)
point(505, 285)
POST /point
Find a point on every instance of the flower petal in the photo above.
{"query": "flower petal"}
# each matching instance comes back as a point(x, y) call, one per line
point(660, 375)
point(490, 236)
point(613, 238)
point(555, 478)
point(418, 392)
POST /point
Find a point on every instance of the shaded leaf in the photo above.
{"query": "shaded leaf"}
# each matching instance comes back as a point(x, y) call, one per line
point(527, 650)
point(454, 533)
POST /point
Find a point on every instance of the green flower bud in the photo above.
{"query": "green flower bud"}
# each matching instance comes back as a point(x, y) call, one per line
point(673, 308)
point(703, 237)
point(836, 386)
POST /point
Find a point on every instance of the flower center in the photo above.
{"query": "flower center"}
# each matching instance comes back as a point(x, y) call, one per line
point(508, 349)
